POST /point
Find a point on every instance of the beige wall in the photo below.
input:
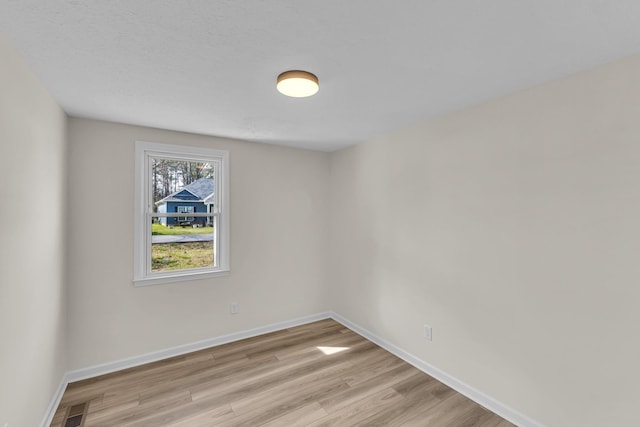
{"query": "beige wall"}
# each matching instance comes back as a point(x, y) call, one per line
point(279, 237)
point(32, 244)
point(513, 229)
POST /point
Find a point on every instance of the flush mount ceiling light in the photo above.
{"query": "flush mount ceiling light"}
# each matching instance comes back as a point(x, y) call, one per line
point(298, 84)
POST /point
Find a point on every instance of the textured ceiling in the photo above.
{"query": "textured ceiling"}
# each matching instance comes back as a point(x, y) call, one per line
point(209, 67)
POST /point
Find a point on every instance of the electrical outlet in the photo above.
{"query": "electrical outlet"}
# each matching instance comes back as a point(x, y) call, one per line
point(428, 333)
point(235, 308)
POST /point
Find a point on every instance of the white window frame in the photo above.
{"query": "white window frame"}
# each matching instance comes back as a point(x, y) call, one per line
point(143, 207)
point(189, 209)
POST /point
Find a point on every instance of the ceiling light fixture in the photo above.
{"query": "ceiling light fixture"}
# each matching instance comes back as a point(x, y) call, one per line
point(298, 84)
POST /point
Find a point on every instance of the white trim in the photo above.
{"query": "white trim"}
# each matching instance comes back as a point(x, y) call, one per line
point(143, 202)
point(179, 277)
point(169, 199)
point(488, 402)
point(175, 214)
point(130, 362)
point(53, 406)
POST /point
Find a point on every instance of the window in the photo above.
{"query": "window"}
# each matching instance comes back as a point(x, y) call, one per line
point(172, 181)
point(185, 209)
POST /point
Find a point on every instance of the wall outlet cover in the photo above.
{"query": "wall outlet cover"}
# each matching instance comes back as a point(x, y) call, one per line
point(428, 333)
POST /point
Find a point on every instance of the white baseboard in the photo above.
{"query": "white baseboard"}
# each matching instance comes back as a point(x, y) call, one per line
point(53, 406)
point(107, 368)
point(118, 365)
point(488, 402)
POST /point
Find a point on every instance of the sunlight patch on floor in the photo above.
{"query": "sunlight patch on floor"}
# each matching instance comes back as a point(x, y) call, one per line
point(331, 350)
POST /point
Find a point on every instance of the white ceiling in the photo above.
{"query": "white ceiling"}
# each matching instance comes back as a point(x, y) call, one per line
point(210, 67)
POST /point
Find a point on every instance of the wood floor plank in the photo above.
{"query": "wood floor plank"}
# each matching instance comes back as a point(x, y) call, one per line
point(360, 409)
point(367, 388)
point(206, 418)
point(317, 375)
point(277, 402)
point(300, 417)
point(297, 386)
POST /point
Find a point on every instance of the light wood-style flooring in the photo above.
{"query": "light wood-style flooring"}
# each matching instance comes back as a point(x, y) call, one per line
point(278, 379)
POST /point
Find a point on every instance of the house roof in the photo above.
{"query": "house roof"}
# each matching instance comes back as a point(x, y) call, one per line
point(202, 189)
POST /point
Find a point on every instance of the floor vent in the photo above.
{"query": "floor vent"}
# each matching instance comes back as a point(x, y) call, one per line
point(76, 414)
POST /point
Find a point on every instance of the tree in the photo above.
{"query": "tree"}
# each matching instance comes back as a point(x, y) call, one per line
point(169, 175)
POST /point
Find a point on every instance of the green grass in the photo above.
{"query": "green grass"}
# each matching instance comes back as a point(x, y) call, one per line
point(160, 230)
point(181, 256)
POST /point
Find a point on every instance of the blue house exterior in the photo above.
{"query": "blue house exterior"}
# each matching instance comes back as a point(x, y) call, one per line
point(196, 197)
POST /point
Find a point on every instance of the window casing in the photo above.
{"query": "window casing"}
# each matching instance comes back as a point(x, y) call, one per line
point(150, 213)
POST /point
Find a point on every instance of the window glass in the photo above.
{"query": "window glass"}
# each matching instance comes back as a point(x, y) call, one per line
point(181, 214)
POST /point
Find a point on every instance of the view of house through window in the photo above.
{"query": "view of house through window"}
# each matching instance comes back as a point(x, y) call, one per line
point(181, 213)
point(182, 234)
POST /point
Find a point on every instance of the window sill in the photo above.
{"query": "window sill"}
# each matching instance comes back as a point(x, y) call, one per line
point(183, 277)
